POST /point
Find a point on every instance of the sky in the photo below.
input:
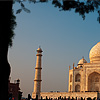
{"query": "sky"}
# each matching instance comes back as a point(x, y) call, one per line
point(64, 38)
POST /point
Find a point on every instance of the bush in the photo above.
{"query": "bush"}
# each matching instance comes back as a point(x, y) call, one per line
point(94, 98)
point(89, 98)
point(68, 98)
point(81, 98)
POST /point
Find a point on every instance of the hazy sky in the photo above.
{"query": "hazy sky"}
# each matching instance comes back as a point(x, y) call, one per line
point(64, 38)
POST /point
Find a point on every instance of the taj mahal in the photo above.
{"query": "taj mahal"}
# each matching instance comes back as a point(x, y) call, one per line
point(84, 79)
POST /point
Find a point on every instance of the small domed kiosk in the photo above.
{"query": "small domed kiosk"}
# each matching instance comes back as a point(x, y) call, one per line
point(82, 61)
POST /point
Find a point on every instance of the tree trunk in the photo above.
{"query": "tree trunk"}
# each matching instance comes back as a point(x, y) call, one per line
point(5, 31)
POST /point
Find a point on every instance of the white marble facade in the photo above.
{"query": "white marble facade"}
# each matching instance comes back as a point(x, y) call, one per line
point(86, 76)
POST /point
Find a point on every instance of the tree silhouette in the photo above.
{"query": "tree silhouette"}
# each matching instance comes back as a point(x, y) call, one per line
point(7, 25)
point(80, 6)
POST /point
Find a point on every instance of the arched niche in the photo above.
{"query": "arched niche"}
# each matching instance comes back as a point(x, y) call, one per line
point(78, 78)
point(71, 78)
point(70, 87)
point(77, 88)
point(94, 81)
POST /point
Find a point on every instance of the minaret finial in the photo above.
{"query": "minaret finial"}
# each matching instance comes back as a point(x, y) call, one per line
point(69, 67)
point(39, 46)
point(39, 50)
point(73, 64)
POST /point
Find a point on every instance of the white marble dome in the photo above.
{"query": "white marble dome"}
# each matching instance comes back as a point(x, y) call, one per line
point(82, 61)
point(94, 54)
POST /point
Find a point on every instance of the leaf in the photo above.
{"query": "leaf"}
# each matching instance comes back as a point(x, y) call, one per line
point(18, 11)
point(26, 10)
point(22, 5)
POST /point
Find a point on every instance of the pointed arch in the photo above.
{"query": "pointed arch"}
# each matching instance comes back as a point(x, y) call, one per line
point(77, 88)
point(78, 78)
point(94, 81)
point(71, 78)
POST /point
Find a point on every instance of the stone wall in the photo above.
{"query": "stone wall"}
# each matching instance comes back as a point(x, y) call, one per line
point(68, 94)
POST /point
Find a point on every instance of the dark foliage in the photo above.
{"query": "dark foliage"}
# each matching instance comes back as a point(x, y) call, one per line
point(94, 98)
point(81, 98)
point(89, 98)
point(12, 27)
point(79, 6)
point(7, 25)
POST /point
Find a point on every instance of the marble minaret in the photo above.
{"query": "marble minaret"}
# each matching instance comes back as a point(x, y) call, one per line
point(37, 80)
